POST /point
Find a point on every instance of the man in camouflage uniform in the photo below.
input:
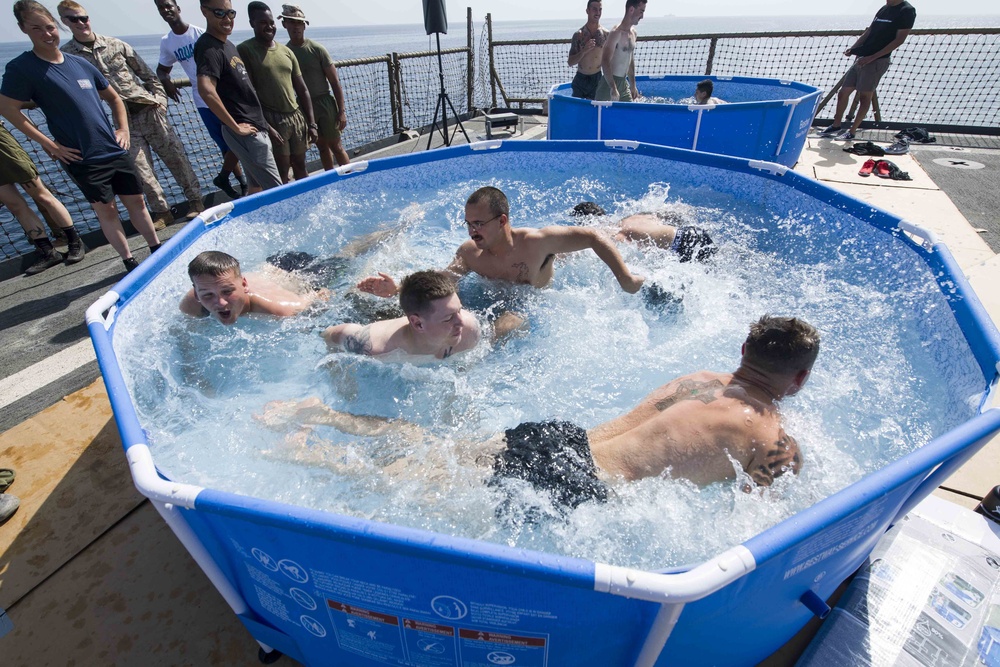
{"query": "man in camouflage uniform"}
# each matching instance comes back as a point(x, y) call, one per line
point(146, 104)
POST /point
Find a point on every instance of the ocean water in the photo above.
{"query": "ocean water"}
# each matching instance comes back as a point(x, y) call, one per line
point(349, 42)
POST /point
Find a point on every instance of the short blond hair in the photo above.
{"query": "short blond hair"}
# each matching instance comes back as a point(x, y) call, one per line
point(70, 6)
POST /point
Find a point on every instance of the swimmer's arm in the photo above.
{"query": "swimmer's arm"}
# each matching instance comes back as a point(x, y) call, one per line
point(284, 303)
point(571, 239)
point(609, 51)
point(631, 77)
point(190, 306)
point(382, 285)
point(350, 337)
point(458, 267)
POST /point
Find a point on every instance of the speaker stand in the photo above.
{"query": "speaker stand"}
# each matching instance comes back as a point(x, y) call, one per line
point(442, 106)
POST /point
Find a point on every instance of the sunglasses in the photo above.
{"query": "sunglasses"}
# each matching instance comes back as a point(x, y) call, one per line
point(222, 13)
point(77, 19)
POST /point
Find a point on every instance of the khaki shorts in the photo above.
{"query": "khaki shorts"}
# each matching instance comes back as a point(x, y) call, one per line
point(326, 112)
point(292, 129)
point(15, 164)
point(864, 79)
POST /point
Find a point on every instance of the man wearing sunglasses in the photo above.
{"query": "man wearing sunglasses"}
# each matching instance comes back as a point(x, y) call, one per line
point(497, 251)
point(225, 86)
point(146, 105)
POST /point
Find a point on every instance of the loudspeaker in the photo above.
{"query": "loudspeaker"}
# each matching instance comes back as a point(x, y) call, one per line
point(435, 17)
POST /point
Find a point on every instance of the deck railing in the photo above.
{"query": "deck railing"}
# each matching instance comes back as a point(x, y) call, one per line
point(945, 80)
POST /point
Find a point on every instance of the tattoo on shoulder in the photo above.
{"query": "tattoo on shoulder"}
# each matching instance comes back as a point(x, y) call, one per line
point(360, 342)
point(690, 390)
point(522, 272)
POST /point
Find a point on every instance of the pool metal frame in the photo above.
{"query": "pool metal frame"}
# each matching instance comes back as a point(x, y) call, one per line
point(859, 513)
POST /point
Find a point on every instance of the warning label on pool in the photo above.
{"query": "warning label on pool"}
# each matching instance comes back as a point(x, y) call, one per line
point(396, 640)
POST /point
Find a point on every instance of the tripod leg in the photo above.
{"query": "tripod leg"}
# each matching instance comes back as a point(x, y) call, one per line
point(439, 107)
point(458, 121)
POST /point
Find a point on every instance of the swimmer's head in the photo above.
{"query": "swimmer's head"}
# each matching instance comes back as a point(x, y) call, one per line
point(703, 91)
point(588, 208)
point(431, 306)
point(219, 286)
point(486, 214)
point(782, 347)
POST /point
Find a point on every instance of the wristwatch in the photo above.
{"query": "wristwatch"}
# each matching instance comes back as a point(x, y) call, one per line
point(314, 126)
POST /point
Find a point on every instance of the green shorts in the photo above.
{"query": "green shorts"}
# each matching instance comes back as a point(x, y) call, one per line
point(292, 128)
point(15, 164)
point(326, 112)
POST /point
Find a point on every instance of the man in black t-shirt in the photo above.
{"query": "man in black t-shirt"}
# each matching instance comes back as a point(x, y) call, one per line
point(889, 29)
point(225, 86)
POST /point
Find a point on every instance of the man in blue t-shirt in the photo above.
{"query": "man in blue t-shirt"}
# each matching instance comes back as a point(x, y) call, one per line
point(69, 91)
point(888, 30)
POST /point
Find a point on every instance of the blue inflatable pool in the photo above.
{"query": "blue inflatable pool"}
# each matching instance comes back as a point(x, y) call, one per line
point(330, 589)
point(763, 119)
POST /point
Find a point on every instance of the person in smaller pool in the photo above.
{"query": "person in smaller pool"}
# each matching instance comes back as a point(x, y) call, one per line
point(703, 427)
point(688, 241)
point(220, 290)
point(497, 251)
point(703, 94)
point(585, 53)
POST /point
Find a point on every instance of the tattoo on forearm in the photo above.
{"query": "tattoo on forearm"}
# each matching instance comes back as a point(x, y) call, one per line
point(360, 342)
point(689, 390)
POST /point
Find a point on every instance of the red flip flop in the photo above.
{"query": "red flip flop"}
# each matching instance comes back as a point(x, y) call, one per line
point(882, 169)
point(867, 168)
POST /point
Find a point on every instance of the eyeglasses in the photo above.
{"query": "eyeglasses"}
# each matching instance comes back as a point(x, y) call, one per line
point(223, 13)
point(77, 19)
point(479, 224)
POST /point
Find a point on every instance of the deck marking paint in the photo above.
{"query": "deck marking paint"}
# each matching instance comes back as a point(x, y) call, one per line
point(15, 387)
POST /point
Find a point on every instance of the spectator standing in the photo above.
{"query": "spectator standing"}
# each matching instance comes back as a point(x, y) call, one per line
point(17, 168)
point(320, 75)
point(146, 105)
point(69, 91)
point(618, 57)
point(177, 46)
point(226, 88)
point(277, 77)
point(585, 53)
point(888, 30)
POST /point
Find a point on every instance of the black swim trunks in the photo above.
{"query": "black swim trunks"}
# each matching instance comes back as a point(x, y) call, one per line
point(324, 272)
point(694, 243)
point(552, 456)
point(585, 85)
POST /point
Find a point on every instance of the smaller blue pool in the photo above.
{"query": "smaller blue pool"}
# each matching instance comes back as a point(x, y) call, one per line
point(763, 119)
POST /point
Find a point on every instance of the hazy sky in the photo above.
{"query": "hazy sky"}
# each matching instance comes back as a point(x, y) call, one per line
point(139, 17)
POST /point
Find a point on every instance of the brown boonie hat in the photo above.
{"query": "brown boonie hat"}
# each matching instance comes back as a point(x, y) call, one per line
point(293, 13)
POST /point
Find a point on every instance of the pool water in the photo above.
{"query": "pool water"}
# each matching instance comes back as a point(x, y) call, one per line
point(894, 370)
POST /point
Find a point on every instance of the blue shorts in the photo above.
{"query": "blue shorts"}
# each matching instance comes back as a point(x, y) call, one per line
point(214, 127)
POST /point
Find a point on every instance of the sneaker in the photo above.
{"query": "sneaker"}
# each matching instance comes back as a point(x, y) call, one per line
point(195, 208)
point(846, 135)
point(161, 220)
point(8, 505)
point(131, 264)
point(831, 131)
point(75, 252)
point(45, 262)
point(901, 147)
point(867, 168)
point(222, 182)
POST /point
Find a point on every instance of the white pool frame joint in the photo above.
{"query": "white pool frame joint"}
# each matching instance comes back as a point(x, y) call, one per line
point(672, 591)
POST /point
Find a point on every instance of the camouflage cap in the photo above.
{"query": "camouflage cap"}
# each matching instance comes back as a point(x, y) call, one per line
point(293, 13)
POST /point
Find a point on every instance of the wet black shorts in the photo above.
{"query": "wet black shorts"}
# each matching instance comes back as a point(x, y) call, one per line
point(100, 182)
point(552, 456)
point(323, 272)
point(694, 243)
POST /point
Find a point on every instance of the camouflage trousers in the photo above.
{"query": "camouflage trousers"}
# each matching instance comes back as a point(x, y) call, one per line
point(149, 129)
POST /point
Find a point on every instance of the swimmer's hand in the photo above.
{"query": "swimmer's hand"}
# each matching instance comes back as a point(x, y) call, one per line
point(631, 283)
point(381, 285)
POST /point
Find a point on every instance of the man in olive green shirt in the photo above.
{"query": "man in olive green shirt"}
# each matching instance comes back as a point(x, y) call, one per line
point(320, 75)
point(277, 78)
